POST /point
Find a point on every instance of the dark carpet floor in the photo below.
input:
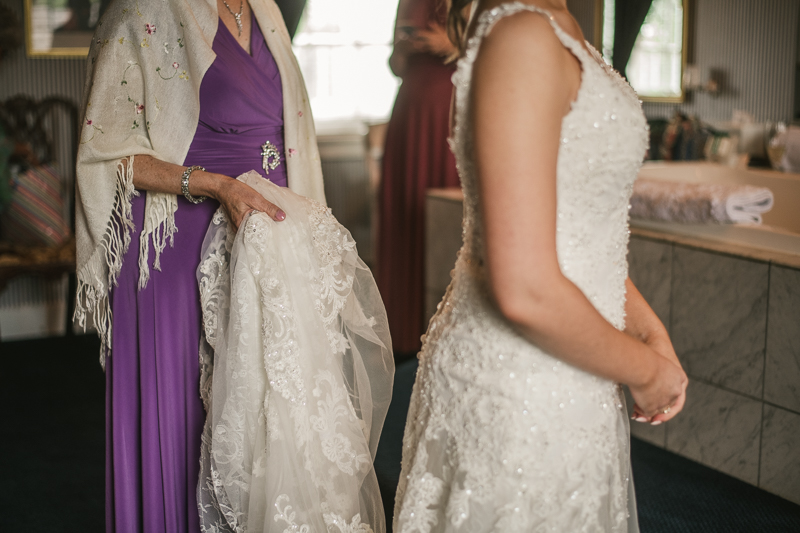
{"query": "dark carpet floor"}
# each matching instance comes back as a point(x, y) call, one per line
point(52, 455)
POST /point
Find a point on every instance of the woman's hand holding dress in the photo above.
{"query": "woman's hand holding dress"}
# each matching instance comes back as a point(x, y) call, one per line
point(237, 198)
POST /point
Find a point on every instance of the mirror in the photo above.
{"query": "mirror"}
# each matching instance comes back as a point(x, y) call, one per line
point(657, 60)
point(61, 28)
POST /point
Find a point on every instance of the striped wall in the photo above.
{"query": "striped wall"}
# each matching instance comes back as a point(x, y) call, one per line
point(751, 43)
point(42, 77)
point(32, 306)
point(583, 11)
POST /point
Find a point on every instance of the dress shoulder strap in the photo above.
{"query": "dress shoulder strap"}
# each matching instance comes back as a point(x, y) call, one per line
point(488, 19)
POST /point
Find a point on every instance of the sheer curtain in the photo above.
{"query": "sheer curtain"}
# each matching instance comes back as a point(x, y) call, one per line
point(628, 18)
point(343, 48)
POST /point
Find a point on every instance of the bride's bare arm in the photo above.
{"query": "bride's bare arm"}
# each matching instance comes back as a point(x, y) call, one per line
point(237, 198)
point(524, 81)
point(642, 323)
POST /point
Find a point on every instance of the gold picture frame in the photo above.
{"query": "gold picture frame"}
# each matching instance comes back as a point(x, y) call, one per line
point(61, 28)
point(686, 30)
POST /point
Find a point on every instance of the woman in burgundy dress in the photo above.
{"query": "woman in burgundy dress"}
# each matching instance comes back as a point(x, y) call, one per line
point(415, 159)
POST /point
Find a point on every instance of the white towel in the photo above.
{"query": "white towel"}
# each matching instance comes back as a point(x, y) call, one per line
point(699, 203)
point(791, 155)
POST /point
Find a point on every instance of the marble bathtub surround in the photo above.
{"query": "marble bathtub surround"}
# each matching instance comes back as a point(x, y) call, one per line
point(742, 414)
point(718, 318)
point(780, 462)
point(791, 260)
point(720, 429)
point(650, 269)
point(782, 369)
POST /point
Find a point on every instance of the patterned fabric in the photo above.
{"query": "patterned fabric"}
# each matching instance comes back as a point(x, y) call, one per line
point(35, 215)
point(145, 68)
point(502, 436)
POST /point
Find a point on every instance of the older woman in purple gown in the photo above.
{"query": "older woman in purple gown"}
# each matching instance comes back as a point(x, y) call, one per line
point(154, 411)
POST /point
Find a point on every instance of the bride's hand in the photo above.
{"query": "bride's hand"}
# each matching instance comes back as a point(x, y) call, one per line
point(663, 396)
point(662, 346)
point(238, 199)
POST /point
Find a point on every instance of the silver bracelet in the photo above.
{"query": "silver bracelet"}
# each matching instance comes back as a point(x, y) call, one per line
point(185, 185)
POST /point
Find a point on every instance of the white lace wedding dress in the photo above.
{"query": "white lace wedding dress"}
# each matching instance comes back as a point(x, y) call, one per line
point(297, 374)
point(500, 435)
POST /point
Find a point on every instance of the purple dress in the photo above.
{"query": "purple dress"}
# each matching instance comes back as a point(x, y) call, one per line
point(154, 415)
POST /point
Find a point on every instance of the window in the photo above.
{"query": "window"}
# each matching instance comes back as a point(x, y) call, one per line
point(656, 63)
point(343, 48)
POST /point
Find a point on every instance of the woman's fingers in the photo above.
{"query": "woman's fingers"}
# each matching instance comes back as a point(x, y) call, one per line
point(674, 409)
point(239, 199)
point(638, 415)
point(272, 210)
point(658, 415)
point(253, 200)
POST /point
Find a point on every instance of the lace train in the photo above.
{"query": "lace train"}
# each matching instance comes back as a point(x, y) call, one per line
point(297, 374)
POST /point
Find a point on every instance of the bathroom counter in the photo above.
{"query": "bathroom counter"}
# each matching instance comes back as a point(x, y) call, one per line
point(667, 232)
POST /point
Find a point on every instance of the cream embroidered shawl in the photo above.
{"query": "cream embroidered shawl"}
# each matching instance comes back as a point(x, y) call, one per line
point(145, 68)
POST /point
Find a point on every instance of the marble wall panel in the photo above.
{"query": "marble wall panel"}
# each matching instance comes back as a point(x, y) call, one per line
point(650, 269)
point(718, 319)
point(720, 429)
point(780, 453)
point(782, 378)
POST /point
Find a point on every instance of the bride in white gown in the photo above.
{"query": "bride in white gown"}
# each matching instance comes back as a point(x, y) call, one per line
point(516, 420)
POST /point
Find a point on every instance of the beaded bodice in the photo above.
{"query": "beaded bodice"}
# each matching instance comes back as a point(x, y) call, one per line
point(603, 142)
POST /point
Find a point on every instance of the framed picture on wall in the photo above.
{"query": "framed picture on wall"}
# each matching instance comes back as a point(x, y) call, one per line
point(62, 28)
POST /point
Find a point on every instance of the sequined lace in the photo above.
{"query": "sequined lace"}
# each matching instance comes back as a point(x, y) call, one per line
point(501, 436)
point(296, 374)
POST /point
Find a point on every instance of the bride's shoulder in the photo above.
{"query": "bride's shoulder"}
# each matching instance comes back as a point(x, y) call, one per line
point(524, 48)
point(516, 31)
point(504, 20)
point(525, 19)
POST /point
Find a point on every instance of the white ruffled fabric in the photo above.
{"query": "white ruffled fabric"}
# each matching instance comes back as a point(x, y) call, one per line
point(297, 374)
point(699, 203)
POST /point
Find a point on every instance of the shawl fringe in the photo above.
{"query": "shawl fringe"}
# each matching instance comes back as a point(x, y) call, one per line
point(159, 223)
point(101, 271)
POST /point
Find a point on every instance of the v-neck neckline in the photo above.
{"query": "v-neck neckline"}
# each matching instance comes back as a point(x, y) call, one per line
point(253, 26)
